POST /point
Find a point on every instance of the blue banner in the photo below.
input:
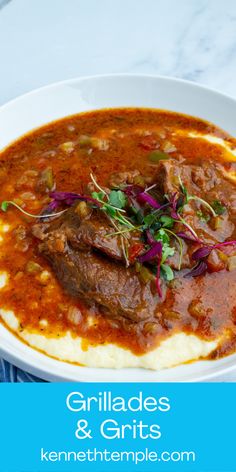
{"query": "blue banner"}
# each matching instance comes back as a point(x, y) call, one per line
point(114, 427)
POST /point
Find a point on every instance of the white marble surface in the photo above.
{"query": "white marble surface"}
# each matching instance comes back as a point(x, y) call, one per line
point(43, 41)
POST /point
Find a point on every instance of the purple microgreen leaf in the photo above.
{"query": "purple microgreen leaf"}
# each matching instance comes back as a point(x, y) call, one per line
point(53, 205)
point(150, 238)
point(138, 192)
point(69, 198)
point(197, 270)
point(146, 198)
point(201, 253)
point(173, 204)
point(60, 196)
point(205, 251)
point(186, 236)
point(155, 250)
point(174, 215)
point(133, 190)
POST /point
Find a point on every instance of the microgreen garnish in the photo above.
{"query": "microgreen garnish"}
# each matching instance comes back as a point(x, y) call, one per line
point(156, 249)
point(218, 207)
point(112, 211)
point(204, 203)
point(180, 243)
point(98, 186)
point(186, 236)
point(201, 255)
point(183, 188)
point(113, 205)
point(162, 236)
point(144, 197)
point(166, 221)
point(69, 198)
point(191, 230)
point(205, 250)
point(197, 270)
point(189, 197)
point(148, 220)
point(203, 216)
point(6, 204)
point(167, 272)
point(123, 231)
point(117, 199)
point(125, 251)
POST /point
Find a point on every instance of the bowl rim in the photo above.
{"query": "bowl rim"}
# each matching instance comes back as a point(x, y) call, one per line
point(118, 75)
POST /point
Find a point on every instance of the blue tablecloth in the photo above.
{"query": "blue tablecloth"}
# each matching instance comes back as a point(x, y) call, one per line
point(11, 373)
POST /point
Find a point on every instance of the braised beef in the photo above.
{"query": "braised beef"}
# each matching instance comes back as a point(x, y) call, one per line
point(76, 251)
point(116, 289)
point(205, 181)
point(123, 178)
point(90, 230)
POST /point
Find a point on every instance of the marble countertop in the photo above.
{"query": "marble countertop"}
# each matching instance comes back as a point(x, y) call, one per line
point(46, 41)
point(50, 40)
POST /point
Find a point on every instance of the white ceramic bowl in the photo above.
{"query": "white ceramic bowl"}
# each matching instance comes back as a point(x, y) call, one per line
point(73, 96)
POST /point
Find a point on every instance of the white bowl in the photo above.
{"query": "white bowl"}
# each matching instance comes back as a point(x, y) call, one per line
point(73, 96)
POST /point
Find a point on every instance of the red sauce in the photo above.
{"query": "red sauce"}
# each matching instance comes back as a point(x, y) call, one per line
point(205, 305)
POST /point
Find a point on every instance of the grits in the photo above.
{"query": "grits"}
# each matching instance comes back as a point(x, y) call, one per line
point(175, 350)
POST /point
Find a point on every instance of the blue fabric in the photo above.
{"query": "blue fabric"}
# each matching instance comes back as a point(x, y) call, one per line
point(11, 373)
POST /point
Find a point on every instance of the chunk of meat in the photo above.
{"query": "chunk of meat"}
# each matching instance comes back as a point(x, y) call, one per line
point(126, 178)
point(68, 244)
point(204, 181)
point(167, 176)
point(76, 247)
point(88, 229)
point(98, 233)
point(195, 178)
point(205, 176)
point(116, 289)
